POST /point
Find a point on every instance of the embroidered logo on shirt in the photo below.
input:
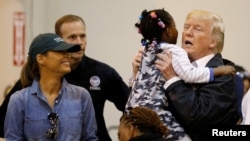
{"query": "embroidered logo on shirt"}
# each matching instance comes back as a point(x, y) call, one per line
point(95, 82)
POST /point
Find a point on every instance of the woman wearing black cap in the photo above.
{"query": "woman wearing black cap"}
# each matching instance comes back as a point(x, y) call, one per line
point(48, 107)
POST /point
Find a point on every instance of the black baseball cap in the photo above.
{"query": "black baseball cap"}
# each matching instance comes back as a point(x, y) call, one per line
point(50, 42)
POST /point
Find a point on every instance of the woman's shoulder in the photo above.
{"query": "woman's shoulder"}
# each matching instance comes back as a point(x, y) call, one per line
point(21, 95)
point(77, 88)
point(74, 89)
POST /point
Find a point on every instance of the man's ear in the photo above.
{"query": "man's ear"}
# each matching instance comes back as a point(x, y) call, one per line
point(213, 43)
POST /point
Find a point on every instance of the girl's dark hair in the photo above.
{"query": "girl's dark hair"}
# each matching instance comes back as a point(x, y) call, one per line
point(29, 72)
point(149, 26)
point(145, 120)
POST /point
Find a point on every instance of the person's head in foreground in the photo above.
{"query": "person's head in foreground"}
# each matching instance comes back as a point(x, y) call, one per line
point(141, 123)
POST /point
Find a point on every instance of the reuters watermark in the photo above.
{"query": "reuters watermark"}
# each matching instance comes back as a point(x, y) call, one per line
point(228, 133)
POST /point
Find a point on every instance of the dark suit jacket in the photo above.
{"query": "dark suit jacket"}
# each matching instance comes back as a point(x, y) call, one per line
point(201, 107)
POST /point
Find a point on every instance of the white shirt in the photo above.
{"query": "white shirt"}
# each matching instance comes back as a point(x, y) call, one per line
point(194, 72)
point(245, 106)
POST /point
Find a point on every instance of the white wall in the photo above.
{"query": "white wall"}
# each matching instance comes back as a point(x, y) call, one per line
point(8, 72)
point(112, 37)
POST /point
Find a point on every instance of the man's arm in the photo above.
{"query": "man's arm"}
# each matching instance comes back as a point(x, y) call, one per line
point(210, 104)
point(119, 91)
point(213, 103)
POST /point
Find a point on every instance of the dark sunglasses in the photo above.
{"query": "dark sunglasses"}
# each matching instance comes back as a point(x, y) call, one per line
point(52, 132)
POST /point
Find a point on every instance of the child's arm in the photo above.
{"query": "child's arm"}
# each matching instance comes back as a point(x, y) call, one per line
point(224, 70)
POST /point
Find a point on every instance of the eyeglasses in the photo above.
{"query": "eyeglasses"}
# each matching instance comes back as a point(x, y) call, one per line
point(52, 132)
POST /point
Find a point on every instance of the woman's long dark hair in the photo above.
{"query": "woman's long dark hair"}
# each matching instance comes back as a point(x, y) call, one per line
point(29, 72)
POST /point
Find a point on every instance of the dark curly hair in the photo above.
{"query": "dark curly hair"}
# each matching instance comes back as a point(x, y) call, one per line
point(145, 120)
point(149, 26)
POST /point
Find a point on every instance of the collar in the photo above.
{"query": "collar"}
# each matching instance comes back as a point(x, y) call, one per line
point(202, 62)
point(35, 87)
